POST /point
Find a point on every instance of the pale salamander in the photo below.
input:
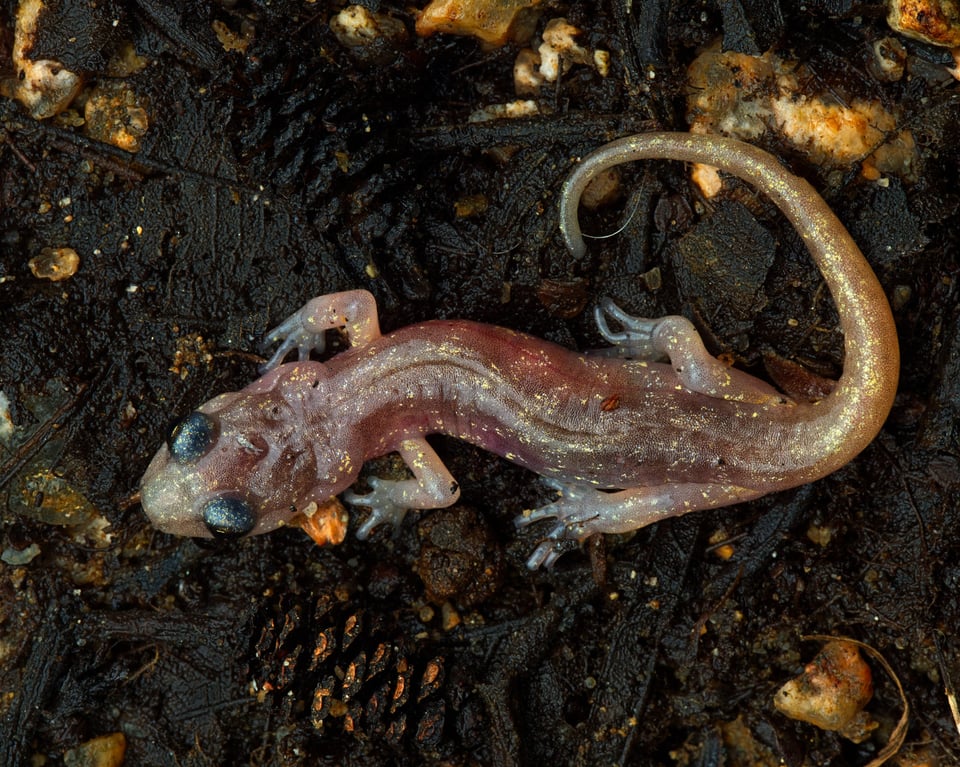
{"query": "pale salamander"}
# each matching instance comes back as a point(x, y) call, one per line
point(624, 442)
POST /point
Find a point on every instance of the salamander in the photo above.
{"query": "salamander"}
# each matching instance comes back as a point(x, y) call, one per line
point(659, 429)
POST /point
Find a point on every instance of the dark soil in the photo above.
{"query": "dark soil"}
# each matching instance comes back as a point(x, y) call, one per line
point(300, 168)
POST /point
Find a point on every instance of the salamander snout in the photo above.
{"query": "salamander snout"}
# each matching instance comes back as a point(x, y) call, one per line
point(236, 466)
point(201, 481)
point(188, 441)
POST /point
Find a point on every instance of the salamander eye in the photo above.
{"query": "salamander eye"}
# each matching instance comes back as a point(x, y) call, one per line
point(228, 517)
point(191, 437)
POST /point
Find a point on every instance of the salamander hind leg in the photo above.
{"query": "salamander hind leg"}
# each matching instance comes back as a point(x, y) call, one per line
point(582, 511)
point(354, 311)
point(432, 487)
point(676, 338)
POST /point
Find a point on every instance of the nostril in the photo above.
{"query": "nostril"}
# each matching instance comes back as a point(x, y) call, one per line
point(191, 437)
point(228, 517)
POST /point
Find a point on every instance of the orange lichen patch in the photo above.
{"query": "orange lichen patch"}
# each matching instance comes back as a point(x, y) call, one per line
point(45, 87)
point(55, 264)
point(115, 115)
point(831, 132)
point(325, 524)
point(356, 26)
point(558, 52)
point(748, 96)
point(831, 692)
point(933, 21)
point(493, 22)
point(730, 92)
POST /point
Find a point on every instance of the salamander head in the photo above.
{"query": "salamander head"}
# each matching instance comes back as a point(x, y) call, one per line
point(244, 463)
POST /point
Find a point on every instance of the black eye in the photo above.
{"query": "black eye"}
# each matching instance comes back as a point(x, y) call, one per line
point(191, 437)
point(228, 517)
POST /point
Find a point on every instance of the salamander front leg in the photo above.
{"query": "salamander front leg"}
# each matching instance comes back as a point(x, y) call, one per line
point(433, 487)
point(583, 510)
point(677, 339)
point(355, 311)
